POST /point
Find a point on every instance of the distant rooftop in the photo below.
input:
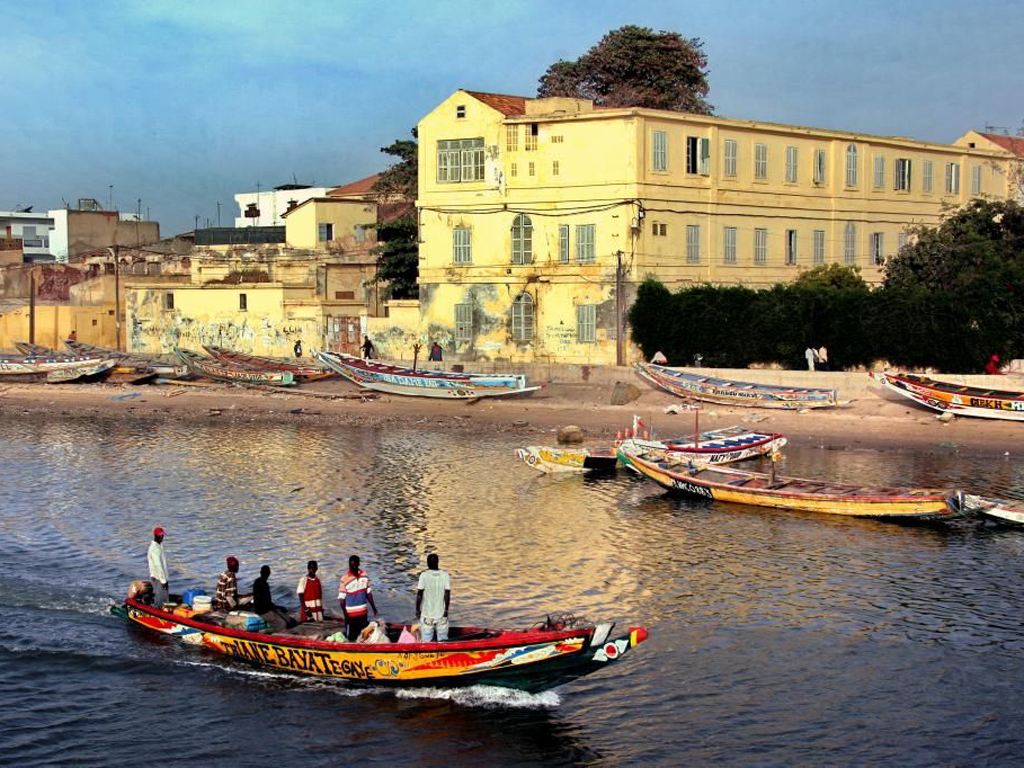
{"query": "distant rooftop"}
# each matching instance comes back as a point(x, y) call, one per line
point(510, 106)
point(361, 187)
point(1014, 144)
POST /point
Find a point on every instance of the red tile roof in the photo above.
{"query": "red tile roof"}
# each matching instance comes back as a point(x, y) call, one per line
point(1012, 144)
point(361, 187)
point(510, 106)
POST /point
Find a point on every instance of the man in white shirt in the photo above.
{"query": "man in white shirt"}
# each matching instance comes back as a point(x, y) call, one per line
point(158, 568)
point(433, 597)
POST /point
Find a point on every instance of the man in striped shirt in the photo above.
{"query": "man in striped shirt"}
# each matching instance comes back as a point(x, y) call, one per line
point(354, 593)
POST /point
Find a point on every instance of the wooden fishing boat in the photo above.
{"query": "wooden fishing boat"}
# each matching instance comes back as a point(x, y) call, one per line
point(216, 369)
point(741, 393)
point(36, 350)
point(531, 660)
point(258, 363)
point(675, 473)
point(958, 399)
point(397, 380)
point(716, 446)
point(146, 364)
point(31, 364)
point(1000, 510)
point(80, 373)
point(554, 460)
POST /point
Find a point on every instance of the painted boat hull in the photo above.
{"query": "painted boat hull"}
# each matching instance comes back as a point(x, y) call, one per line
point(213, 369)
point(14, 365)
point(954, 398)
point(787, 493)
point(63, 375)
point(558, 460)
point(531, 661)
point(259, 363)
point(740, 393)
point(999, 510)
point(129, 362)
point(397, 380)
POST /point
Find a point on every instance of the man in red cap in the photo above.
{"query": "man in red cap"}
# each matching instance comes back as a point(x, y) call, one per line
point(992, 366)
point(227, 597)
point(158, 568)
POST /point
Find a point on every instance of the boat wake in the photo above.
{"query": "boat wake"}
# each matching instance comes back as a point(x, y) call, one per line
point(481, 696)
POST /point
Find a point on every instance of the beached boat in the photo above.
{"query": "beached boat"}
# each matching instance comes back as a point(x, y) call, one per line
point(258, 363)
point(32, 364)
point(675, 473)
point(716, 446)
point(80, 373)
point(216, 369)
point(730, 392)
point(531, 660)
point(958, 399)
point(397, 380)
point(161, 365)
point(36, 350)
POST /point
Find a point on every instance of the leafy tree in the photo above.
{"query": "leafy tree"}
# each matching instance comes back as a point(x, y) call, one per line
point(832, 276)
point(636, 67)
point(397, 232)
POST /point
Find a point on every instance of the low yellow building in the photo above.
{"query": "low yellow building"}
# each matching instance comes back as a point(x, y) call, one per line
point(539, 217)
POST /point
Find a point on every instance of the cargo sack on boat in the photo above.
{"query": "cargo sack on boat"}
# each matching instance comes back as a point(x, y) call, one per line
point(138, 590)
point(374, 633)
point(245, 620)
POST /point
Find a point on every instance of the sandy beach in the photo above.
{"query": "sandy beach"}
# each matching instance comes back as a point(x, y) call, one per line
point(877, 422)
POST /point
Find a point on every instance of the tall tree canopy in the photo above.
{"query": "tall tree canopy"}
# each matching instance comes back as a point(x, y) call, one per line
point(397, 234)
point(636, 67)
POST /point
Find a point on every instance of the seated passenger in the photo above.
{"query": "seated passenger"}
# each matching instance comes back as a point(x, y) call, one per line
point(262, 604)
point(227, 598)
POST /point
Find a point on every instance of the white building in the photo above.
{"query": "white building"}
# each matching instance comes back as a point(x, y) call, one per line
point(33, 229)
point(267, 208)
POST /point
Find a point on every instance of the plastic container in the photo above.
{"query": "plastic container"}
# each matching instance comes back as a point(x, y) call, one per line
point(202, 604)
point(189, 596)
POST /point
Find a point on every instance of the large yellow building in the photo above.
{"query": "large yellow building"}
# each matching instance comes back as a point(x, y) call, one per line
point(539, 217)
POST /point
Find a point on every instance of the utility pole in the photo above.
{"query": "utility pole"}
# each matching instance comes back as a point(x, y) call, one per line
point(32, 305)
point(197, 224)
point(117, 295)
point(620, 348)
point(138, 215)
point(218, 213)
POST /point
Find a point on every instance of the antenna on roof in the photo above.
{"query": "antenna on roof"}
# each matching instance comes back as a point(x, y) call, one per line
point(295, 179)
point(993, 128)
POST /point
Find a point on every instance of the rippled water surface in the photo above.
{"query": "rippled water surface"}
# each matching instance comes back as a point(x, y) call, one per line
point(776, 638)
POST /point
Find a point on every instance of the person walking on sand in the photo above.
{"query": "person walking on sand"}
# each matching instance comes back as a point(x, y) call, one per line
point(311, 597)
point(433, 598)
point(297, 349)
point(367, 348)
point(823, 358)
point(354, 593)
point(435, 352)
point(810, 354)
point(158, 568)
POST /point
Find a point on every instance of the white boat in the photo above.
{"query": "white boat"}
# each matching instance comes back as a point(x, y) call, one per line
point(1003, 510)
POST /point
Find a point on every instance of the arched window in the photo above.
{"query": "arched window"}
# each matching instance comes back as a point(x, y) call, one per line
point(522, 240)
point(850, 243)
point(851, 166)
point(522, 318)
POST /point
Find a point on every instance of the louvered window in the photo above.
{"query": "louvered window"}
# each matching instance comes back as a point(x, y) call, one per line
point(522, 318)
point(522, 240)
point(586, 323)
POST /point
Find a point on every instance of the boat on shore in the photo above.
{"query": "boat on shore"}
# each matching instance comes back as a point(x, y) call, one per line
point(36, 350)
point(742, 393)
point(789, 493)
point(958, 399)
point(531, 660)
point(260, 363)
point(398, 380)
point(82, 373)
point(220, 371)
point(138, 362)
point(14, 365)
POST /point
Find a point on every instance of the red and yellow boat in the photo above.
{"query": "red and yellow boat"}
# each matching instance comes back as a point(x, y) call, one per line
point(531, 660)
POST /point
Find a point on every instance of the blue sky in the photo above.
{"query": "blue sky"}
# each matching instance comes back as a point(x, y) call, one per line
point(183, 103)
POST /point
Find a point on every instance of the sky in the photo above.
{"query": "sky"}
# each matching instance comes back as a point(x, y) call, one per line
point(183, 104)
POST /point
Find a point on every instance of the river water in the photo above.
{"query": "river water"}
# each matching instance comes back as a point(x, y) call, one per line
point(776, 638)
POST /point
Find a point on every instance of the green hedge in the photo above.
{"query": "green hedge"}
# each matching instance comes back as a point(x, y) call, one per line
point(911, 327)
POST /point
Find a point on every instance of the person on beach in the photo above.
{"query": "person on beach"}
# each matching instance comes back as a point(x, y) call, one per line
point(73, 336)
point(158, 568)
point(992, 366)
point(823, 358)
point(354, 593)
point(367, 348)
point(435, 352)
point(310, 592)
point(811, 355)
point(659, 358)
point(263, 605)
point(226, 598)
point(297, 349)
point(433, 598)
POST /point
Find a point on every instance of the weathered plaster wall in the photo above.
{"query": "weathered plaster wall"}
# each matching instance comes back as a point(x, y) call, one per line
point(94, 325)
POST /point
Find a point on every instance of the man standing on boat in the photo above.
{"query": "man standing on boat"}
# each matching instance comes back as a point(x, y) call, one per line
point(354, 593)
point(310, 592)
point(227, 597)
point(158, 568)
point(433, 597)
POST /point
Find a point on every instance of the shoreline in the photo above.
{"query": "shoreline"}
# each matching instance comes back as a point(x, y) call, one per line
point(880, 422)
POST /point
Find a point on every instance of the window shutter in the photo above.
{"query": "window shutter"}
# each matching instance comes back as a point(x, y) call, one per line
point(705, 157)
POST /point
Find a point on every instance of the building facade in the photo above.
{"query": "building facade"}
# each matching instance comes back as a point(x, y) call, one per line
point(539, 217)
point(267, 208)
point(26, 236)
